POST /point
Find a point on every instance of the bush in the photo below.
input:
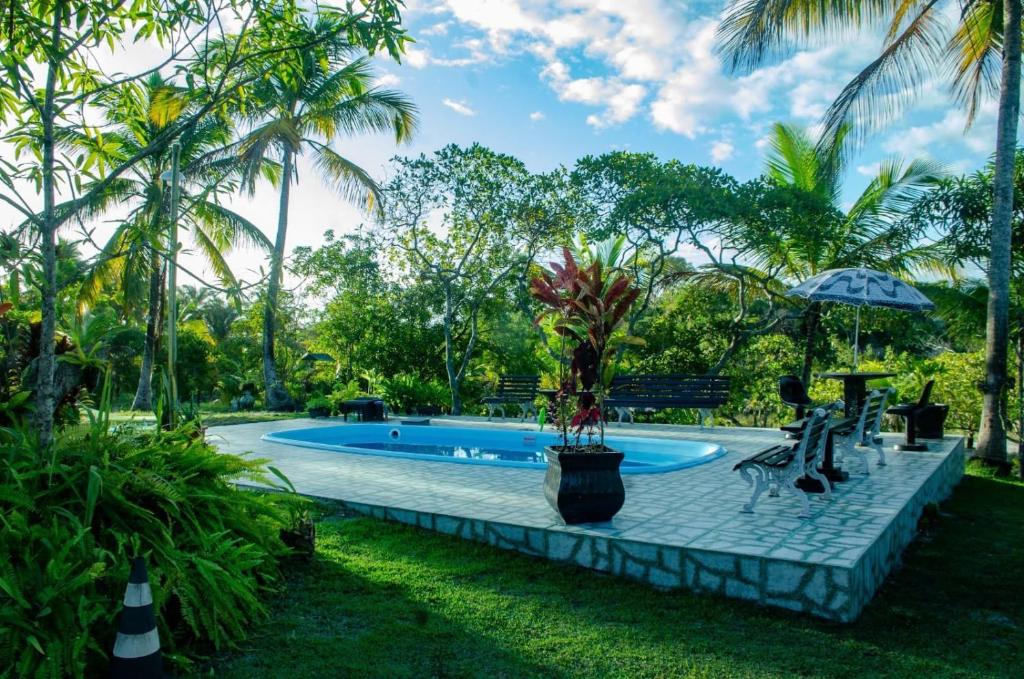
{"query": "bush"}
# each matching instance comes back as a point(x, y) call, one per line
point(344, 392)
point(406, 393)
point(72, 520)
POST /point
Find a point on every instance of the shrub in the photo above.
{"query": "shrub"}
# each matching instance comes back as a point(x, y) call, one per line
point(71, 521)
point(344, 392)
point(407, 393)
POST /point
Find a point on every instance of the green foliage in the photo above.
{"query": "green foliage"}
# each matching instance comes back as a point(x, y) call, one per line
point(344, 392)
point(71, 522)
point(409, 394)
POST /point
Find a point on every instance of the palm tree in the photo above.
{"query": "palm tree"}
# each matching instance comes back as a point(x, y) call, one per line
point(815, 234)
point(323, 92)
point(132, 259)
point(917, 45)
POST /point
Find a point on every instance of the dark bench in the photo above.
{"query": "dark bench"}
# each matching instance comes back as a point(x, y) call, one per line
point(780, 467)
point(518, 389)
point(367, 409)
point(657, 392)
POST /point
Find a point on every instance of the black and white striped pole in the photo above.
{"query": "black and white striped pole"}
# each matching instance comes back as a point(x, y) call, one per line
point(137, 648)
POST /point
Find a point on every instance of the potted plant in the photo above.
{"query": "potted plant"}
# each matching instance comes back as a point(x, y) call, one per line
point(587, 306)
point(318, 406)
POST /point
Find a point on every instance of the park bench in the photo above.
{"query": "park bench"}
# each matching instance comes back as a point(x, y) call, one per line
point(863, 435)
point(779, 467)
point(520, 390)
point(657, 392)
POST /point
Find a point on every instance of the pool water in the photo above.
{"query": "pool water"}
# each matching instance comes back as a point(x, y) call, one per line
point(491, 447)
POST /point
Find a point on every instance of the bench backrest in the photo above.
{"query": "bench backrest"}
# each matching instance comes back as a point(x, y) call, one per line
point(926, 394)
point(695, 390)
point(814, 436)
point(518, 386)
point(869, 421)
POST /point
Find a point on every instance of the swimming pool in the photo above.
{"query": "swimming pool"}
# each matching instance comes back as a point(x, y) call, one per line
point(493, 447)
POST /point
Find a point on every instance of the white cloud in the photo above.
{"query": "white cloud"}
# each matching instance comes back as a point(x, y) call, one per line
point(388, 80)
point(722, 150)
point(653, 58)
point(416, 57)
point(537, 116)
point(459, 107)
point(437, 29)
point(946, 134)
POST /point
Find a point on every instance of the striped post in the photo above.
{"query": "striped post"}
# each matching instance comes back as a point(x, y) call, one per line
point(137, 648)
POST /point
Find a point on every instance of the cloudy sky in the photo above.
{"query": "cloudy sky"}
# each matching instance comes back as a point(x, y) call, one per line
point(550, 81)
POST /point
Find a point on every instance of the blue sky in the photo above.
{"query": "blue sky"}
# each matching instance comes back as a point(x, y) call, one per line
point(551, 81)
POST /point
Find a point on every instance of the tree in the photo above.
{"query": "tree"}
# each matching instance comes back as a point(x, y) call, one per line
point(133, 258)
point(962, 208)
point(465, 221)
point(792, 225)
point(915, 47)
point(52, 79)
point(321, 93)
point(662, 207)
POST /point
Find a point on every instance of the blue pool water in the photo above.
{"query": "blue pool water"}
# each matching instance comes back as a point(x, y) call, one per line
point(494, 447)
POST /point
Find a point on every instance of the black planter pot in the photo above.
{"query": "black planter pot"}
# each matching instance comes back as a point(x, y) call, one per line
point(584, 487)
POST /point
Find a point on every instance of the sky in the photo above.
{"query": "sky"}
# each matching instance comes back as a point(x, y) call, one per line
point(551, 81)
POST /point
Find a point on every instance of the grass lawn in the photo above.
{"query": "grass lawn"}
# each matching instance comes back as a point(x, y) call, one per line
point(210, 418)
point(385, 600)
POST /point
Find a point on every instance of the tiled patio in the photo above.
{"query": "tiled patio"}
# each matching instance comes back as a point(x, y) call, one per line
point(678, 529)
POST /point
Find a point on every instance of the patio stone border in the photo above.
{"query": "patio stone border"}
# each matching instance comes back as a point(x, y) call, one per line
point(828, 591)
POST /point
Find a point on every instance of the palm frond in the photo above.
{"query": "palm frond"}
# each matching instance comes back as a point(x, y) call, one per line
point(755, 31)
point(880, 92)
point(975, 54)
point(352, 182)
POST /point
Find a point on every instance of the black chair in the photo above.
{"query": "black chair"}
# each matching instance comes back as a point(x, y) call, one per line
point(793, 394)
point(912, 411)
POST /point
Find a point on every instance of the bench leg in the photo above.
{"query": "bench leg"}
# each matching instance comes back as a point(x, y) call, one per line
point(790, 485)
point(704, 414)
point(490, 411)
point(877, 445)
point(812, 471)
point(759, 480)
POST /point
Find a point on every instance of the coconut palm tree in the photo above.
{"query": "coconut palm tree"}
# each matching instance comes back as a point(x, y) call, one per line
point(322, 93)
point(814, 234)
point(132, 260)
point(919, 43)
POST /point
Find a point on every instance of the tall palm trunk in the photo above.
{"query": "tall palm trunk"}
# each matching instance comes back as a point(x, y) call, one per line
point(277, 397)
point(811, 321)
point(47, 362)
point(144, 392)
point(992, 437)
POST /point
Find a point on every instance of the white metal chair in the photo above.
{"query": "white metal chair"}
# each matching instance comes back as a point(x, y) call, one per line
point(782, 466)
point(865, 434)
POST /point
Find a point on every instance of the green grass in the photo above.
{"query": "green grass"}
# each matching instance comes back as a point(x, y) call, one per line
point(385, 600)
point(210, 418)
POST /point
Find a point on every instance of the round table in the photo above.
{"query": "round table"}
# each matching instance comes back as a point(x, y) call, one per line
point(854, 387)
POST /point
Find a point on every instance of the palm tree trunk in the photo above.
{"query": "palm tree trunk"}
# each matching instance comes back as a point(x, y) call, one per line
point(992, 437)
point(144, 392)
point(277, 397)
point(811, 321)
point(47, 361)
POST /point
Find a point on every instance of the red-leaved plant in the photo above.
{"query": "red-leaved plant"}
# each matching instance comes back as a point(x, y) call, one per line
point(588, 305)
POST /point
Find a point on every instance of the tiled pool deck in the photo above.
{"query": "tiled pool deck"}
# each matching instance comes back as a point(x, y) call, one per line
point(677, 529)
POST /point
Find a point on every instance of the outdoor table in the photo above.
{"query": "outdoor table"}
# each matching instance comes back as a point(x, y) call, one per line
point(854, 387)
point(828, 467)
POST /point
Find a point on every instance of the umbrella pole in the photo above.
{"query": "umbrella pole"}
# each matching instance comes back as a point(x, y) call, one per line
point(856, 340)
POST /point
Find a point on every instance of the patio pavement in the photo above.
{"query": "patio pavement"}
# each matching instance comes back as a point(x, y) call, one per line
point(676, 529)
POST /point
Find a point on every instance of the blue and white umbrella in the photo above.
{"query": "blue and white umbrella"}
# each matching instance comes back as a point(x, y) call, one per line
point(862, 287)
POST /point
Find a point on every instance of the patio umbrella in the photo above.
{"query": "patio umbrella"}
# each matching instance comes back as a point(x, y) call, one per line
point(862, 287)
